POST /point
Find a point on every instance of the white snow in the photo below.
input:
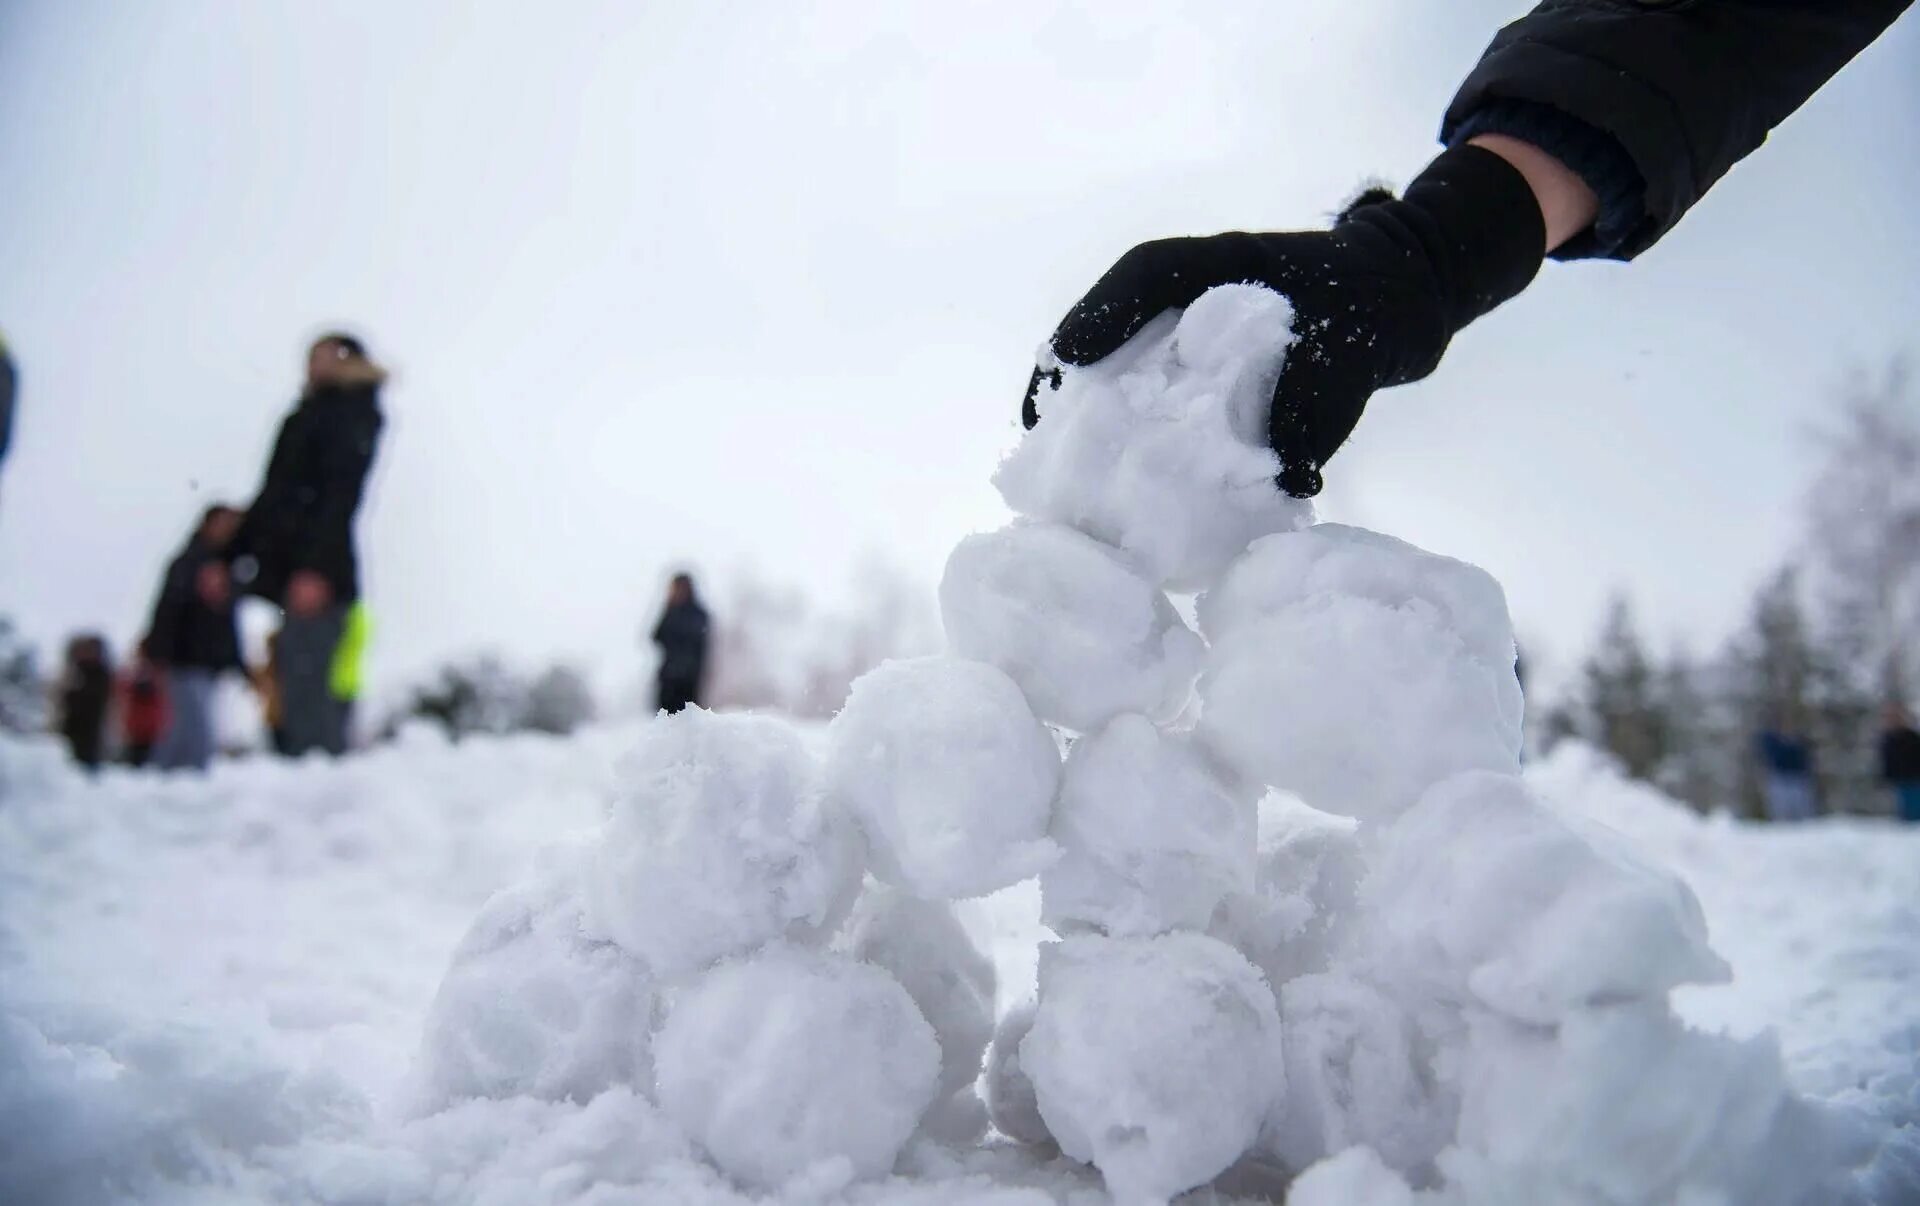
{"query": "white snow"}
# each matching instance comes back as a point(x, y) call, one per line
point(1076, 625)
point(1011, 1103)
point(789, 1060)
point(922, 944)
point(536, 1003)
point(1545, 914)
point(1156, 1059)
point(212, 990)
point(719, 841)
point(1153, 836)
point(949, 774)
point(1471, 985)
point(1162, 449)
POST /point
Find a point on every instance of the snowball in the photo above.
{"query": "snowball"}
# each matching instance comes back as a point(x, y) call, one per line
point(1163, 449)
point(1334, 560)
point(1356, 706)
point(1483, 893)
point(1625, 1104)
point(923, 946)
point(1358, 1071)
point(1355, 1177)
point(1010, 1100)
point(1306, 883)
point(1155, 1059)
point(534, 1004)
point(1074, 624)
point(790, 1058)
point(947, 770)
point(1152, 836)
point(718, 842)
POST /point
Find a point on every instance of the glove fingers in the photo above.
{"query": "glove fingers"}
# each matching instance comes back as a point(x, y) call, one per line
point(1314, 411)
point(1148, 280)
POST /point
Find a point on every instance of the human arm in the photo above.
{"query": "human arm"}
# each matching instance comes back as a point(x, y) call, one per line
point(1652, 101)
point(1378, 298)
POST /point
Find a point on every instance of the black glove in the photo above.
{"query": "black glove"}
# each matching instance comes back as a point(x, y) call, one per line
point(1375, 299)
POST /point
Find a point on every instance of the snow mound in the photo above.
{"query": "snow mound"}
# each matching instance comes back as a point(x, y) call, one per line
point(923, 946)
point(717, 842)
point(780, 1063)
point(1157, 1060)
point(535, 1004)
point(1162, 450)
point(1356, 706)
point(1544, 914)
point(1011, 1103)
point(1153, 837)
point(1072, 622)
point(949, 774)
point(1625, 1104)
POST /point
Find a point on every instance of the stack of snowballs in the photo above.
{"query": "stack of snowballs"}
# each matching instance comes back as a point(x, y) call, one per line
point(1304, 904)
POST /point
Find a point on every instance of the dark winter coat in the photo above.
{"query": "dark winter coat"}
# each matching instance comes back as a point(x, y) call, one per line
point(1674, 92)
point(682, 637)
point(1900, 755)
point(302, 518)
point(9, 384)
point(1785, 755)
point(188, 631)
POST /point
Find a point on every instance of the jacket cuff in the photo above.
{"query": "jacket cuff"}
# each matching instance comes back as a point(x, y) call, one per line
point(1593, 155)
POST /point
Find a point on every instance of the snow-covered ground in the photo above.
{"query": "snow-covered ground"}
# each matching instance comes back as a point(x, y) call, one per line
point(214, 987)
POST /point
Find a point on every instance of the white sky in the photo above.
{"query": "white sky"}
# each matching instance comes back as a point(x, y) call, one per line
point(757, 284)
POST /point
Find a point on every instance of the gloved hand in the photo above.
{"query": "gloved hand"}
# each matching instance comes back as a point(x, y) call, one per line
point(1375, 299)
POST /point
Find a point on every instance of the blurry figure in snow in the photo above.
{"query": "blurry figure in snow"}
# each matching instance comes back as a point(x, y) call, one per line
point(85, 688)
point(296, 545)
point(9, 390)
point(1786, 779)
point(193, 639)
point(1900, 760)
point(682, 637)
point(142, 694)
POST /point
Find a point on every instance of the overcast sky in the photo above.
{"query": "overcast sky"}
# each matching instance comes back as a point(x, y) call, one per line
point(757, 284)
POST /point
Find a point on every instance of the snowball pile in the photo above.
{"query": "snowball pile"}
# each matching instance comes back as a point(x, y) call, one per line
point(1306, 910)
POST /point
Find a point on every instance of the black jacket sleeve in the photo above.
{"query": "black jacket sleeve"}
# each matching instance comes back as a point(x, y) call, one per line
point(1686, 88)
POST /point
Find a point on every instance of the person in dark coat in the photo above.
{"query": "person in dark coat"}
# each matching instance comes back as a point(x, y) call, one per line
point(193, 639)
point(1900, 760)
point(9, 390)
point(1588, 129)
point(296, 547)
point(682, 637)
point(1786, 773)
point(85, 690)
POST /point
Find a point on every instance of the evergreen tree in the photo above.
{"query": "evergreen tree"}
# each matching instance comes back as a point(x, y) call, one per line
point(1620, 707)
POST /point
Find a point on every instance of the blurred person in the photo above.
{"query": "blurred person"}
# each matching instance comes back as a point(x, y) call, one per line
point(1786, 772)
point(194, 638)
point(296, 546)
point(9, 391)
point(81, 698)
point(682, 637)
point(142, 692)
point(1587, 130)
point(1900, 759)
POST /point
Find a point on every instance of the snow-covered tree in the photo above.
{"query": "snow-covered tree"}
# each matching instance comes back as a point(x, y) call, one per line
point(23, 689)
point(1619, 707)
point(558, 701)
